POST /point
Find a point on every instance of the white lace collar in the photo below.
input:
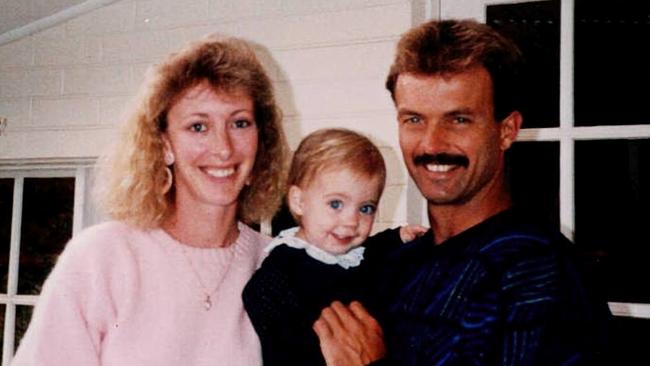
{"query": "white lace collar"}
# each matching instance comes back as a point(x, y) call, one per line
point(350, 259)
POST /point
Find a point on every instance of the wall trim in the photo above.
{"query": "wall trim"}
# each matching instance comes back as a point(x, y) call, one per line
point(52, 20)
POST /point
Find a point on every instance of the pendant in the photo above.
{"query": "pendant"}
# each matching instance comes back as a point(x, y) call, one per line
point(207, 304)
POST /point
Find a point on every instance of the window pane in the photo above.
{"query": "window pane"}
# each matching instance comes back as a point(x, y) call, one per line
point(612, 199)
point(612, 65)
point(46, 227)
point(6, 206)
point(535, 27)
point(23, 316)
point(630, 341)
point(534, 175)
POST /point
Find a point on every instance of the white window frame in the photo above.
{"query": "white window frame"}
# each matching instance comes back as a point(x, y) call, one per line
point(81, 171)
point(566, 134)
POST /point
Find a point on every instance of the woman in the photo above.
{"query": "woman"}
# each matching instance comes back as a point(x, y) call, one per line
point(201, 156)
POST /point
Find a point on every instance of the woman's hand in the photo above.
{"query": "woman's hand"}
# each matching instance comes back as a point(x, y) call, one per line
point(349, 335)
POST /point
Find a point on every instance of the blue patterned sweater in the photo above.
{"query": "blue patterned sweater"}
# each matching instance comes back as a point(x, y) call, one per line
point(504, 292)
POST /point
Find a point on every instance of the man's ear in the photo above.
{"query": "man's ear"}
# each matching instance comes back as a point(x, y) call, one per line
point(510, 129)
point(295, 200)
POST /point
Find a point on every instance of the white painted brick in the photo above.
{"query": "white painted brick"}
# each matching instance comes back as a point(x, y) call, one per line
point(45, 82)
point(114, 18)
point(16, 111)
point(113, 110)
point(335, 98)
point(165, 14)
point(357, 61)
point(138, 74)
point(17, 53)
point(92, 50)
point(371, 23)
point(396, 171)
point(97, 80)
point(285, 99)
point(64, 112)
point(53, 51)
point(177, 39)
point(392, 207)
point(197, 32)
point(71, 143)
point(268, 61)
point(293, 131)
point(319, 6)
point(141, 46)
point(14, 83)
point(381, 126)
point(15, 13)
point(237, 10)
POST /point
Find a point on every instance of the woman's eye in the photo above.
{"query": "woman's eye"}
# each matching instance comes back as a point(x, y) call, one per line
point(335, 204)
point(368, 209)
point(198, 127)
point(242, 123)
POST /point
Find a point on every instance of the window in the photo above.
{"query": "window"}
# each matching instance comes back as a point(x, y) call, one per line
point(583, 159)
point(40, 209)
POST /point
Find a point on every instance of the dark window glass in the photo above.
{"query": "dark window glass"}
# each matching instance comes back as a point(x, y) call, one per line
point(612, 63)
point(630, 341)
point(612, 198)
point(6, 206)
point(23, 316)
point(46, 227)
point(534, 174)
point(535, 27)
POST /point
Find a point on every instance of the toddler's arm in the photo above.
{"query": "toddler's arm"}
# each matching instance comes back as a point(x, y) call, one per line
point(410, 232)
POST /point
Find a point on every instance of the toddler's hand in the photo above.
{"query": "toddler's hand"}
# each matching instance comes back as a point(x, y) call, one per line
point(410, 232)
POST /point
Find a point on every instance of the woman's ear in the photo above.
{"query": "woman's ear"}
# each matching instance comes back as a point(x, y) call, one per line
point(295, 200)
point(168, 153)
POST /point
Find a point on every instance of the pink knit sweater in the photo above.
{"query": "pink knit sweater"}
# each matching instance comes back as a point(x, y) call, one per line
point(122, 296)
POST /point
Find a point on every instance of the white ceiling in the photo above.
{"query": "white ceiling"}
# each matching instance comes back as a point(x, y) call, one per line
point(17, 13)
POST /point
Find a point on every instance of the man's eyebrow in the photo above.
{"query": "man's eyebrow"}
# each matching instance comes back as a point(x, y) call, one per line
point(402, 111)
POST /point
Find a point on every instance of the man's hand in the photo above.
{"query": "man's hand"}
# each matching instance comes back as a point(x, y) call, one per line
point(349, 335)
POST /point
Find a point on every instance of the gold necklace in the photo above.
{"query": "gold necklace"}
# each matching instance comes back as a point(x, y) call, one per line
point(207, 301)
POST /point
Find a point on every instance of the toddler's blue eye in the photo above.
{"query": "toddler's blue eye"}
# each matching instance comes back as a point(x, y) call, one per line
point(335, 204)
point(368, 209)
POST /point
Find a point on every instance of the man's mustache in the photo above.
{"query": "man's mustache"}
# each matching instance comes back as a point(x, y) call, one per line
point(442, 159)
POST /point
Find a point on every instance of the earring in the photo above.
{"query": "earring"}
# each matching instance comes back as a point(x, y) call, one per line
point(169, 179)
point(169, 157)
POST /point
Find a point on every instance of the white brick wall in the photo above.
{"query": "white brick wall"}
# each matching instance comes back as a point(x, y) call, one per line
point(65, 89)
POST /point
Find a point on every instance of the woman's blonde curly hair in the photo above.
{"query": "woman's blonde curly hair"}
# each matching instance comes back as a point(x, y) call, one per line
point(132, 176)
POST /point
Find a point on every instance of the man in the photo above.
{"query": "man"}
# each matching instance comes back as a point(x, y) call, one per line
point(487, 285)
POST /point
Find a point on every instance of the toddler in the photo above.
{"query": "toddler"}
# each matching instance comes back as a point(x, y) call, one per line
point(335, 181)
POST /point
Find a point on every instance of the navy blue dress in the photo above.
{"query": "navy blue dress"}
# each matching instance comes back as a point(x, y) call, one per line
point(286, 295)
